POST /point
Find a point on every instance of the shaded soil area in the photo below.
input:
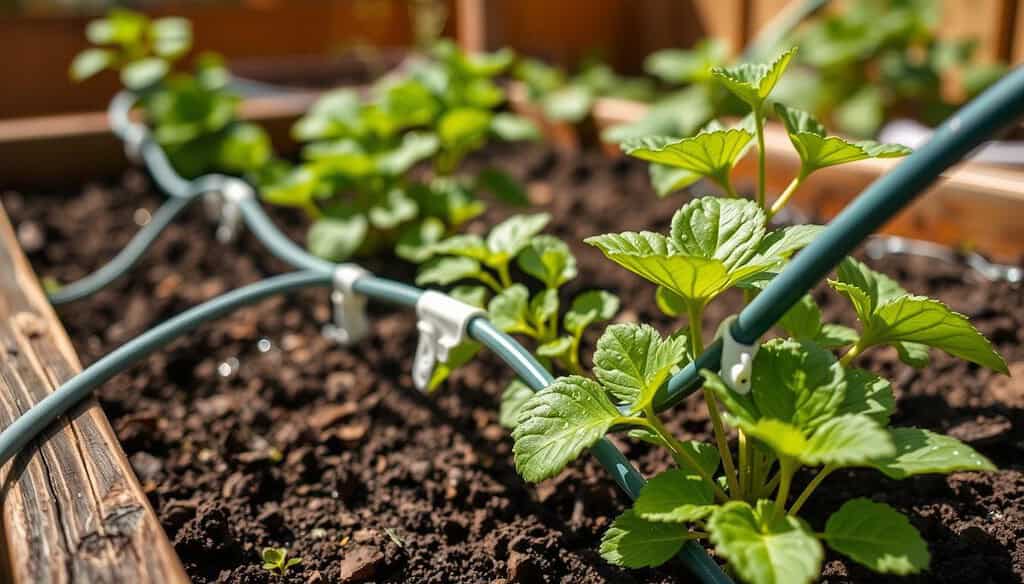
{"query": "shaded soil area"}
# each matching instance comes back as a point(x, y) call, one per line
point(256, 431)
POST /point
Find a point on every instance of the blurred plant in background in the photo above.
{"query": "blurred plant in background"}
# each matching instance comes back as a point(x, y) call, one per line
point(193, 116)
point(874, 60)
point(355, 176)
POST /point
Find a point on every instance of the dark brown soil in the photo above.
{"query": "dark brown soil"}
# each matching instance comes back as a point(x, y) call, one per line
point(256, 431)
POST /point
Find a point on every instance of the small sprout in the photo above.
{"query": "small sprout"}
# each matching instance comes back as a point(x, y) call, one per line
point(276, 560)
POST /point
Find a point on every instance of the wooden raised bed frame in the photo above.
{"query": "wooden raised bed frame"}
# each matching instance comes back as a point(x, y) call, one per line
point(73, 510)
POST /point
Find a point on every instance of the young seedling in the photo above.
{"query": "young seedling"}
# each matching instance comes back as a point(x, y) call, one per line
point(355, 178)
point(804, 407)
point(192, 116)
point(512, 307)
point(276, 561)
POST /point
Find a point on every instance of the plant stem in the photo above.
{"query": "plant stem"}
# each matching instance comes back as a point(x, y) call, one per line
point(759, 127)
point(824, 472)
point(852, 354)
point(490, 282)
point(503, 275)
point(695, 313)
point(698, 535)
point(726, 183)
point(780, 203)
point(769, 486)
point(723, 445)
point(786, 469)
point(744, 470)
point(679, 453)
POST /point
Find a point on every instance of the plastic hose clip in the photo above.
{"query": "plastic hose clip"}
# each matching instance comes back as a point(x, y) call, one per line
point(350, 322)
point(224, 206)
point(737, 359)
point(442, 325)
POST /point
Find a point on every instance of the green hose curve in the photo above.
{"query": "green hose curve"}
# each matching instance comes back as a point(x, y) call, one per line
point(126, 258)
point(38, 417)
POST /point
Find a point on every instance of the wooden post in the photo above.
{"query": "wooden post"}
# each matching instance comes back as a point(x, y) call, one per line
point(73, 510)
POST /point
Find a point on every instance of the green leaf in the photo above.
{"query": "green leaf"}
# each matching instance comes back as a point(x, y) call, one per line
point(852, 439)
point(878, 287)
point(415, 146)
point(728, 230)
point(917, 319)
point(556, 349)
point(504, 188)
point(447, 270)
point(711, 154)
point(817, 150)
point(513, 128)
point(782, 243)
point(510, 236)
point(464, 127)
point(869, 395)
point(634, 542)
point(803, 320)
point(508, 309)
point(393, 209)
point(544, 306)
point(783, 438)
point(246, 148)
point(470, 294)
point(836, 335)
point(922, 452)
point(548, 259)
point(120, 27)
point(464, 245)
point(141, 74)
point(336, 239)
point(679, 66)
point(90, 62)
point(669, 302)
point(417, 240)
point(558, 423)
point(512, 401)
point(650, 256)
point(675, 496)
point(632, 361)
point(878, 536)
point(172, 36)
point(752, 83)
point(569, 104)
point(668, 179)
point(590, 307)
point(765, 547)
point(797, 382)
point(913, 354)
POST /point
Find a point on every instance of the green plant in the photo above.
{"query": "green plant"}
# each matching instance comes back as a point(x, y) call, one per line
point(801, 406)
point(355, 178)
point(873, 60)
point(511, 305)
point(696, 99)
point(276, 561)
point(570, 99)
point(193, 117)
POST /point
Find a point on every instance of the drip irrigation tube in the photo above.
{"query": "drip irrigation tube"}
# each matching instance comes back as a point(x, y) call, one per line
point(998, 107)
point(38, 417)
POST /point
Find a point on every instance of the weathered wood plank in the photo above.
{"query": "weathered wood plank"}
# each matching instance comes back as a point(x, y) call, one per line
point(73, 510)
